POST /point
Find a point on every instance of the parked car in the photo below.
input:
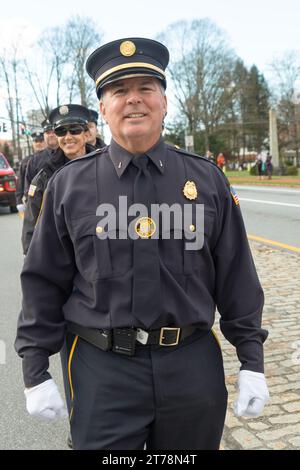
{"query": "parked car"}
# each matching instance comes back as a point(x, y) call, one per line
point(8, 182)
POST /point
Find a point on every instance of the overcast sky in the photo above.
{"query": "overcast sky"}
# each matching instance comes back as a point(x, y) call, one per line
point(258, 29)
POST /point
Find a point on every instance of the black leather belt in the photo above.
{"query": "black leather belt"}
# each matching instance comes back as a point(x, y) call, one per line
point(123, 340)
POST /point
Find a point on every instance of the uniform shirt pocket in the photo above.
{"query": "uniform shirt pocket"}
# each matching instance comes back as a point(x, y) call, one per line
point(92, 254)
point(181, 246)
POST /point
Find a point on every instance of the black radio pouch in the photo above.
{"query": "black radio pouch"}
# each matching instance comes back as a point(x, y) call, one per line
point(124, 341)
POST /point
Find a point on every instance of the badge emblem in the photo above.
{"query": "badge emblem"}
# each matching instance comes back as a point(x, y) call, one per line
point(145, 227)
point(190, 190)
point(31, 190)
point(234, 196)
point(127, 48)
point(63, 110)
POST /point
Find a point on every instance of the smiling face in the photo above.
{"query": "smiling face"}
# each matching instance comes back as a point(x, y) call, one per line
point(73, 146)
point(134, 109)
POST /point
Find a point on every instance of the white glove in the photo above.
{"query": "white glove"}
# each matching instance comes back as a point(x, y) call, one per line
point(21, 207)
point(253, 394)
point(44, 401)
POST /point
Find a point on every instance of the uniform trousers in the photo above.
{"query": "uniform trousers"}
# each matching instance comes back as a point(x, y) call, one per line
point(165, 398)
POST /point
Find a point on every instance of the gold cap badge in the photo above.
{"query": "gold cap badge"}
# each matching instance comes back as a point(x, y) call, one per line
point(127, 48)
point(190, 190)
point(145, 227)
point(63, 110)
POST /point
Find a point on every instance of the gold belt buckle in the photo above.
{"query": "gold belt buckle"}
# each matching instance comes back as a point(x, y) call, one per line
point(161, 337)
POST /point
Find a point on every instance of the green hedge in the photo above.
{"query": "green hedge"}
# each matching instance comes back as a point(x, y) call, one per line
point(253, 171)
point(292, 170)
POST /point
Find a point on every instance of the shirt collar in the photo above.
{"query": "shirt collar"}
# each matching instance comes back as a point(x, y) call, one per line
point(157, 155)
point(121, 157)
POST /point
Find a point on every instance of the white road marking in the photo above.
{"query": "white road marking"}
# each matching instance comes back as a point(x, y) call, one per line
point(274, 203)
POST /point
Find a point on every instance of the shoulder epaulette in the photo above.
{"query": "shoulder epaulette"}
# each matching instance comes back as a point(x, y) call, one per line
point(185, 152)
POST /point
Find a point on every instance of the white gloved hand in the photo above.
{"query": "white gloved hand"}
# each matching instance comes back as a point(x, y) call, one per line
point(253, 394)
point(44, 401)
point(21, 207)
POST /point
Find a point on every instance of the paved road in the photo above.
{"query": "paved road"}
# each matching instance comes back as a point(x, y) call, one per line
point(17, 429)
point(272, 213)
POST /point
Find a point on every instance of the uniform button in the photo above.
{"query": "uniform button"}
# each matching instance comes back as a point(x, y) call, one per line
point(192, 228)
point(99, 229)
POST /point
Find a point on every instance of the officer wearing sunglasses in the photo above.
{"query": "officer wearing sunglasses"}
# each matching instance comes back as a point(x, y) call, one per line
point(70, 126)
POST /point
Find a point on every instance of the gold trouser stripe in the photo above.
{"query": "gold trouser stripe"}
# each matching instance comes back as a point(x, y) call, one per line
point(217, 338)
point(69, 368)
point(128, 66)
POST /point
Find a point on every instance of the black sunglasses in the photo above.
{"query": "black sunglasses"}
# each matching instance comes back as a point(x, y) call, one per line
point(73, 130)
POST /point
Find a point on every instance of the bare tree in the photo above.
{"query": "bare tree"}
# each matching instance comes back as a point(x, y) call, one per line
point(10, 65)
point(40, 85)
point(201, 72)
point(53, 44)
point(82, 37)
point(5, 76)
point(286, 78)
point(56, 71)
point(44, 70)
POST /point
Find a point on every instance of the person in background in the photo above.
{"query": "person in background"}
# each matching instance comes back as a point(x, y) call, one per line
point(269, 166)
point(95, 140)
point(210, 156)
point(38, 144)
point(36, 162)
point(38, 141)
point(221, 161)
point(259, 163)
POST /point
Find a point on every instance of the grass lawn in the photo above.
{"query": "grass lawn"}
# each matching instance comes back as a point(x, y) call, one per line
point(243, 177)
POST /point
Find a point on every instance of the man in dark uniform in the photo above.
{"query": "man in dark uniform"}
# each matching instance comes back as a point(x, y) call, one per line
point(37, 161)
point(38, 144)
point(95, 139)
point(21, 182)
point(125, 295)
point(70, 124)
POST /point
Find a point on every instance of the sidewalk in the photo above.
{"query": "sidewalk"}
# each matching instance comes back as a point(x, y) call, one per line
point(279, 427)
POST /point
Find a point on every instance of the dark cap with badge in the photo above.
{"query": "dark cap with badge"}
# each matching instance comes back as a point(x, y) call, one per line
point(69, 114)
point(37, 136)
point(46, 125)
point(127, 58)
point(93, 116)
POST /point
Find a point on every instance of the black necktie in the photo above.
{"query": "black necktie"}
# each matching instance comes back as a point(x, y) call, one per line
point(146, 303)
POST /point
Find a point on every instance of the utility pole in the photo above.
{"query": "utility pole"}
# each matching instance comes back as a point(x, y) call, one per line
point(189, 142)
point(273, 137)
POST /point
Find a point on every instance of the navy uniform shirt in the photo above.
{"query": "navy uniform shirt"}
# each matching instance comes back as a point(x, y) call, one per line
point(71, 275)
